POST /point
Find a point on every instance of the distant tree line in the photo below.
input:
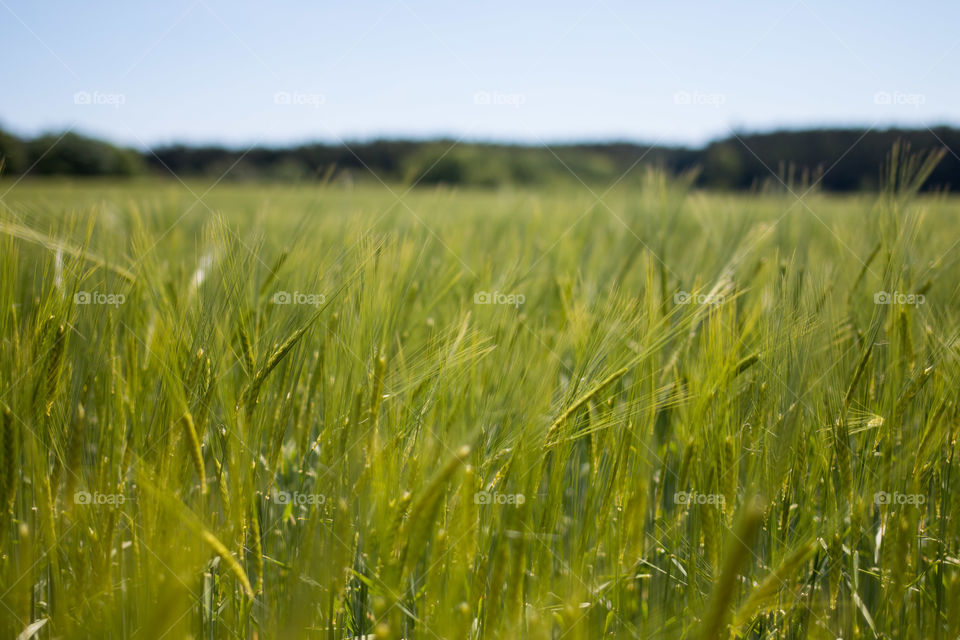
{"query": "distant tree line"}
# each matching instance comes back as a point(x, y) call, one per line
point(835, 159)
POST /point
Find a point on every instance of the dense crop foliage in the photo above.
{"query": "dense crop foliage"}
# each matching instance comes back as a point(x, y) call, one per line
point(336, 412)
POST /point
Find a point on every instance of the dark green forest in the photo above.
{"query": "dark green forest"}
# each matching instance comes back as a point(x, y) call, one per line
point(833, 159)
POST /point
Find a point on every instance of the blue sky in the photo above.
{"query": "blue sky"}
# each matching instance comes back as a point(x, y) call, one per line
point(667, 71)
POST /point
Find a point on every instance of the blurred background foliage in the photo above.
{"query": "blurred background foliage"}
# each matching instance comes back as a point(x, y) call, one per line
point(791, 159)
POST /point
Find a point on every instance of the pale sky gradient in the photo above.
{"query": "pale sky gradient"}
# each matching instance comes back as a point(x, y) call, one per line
point(666, 71)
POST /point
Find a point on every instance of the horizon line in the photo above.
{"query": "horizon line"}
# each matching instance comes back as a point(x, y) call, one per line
point(340, 141)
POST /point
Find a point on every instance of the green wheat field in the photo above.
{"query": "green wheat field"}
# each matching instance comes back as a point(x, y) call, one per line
point(367, 411)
